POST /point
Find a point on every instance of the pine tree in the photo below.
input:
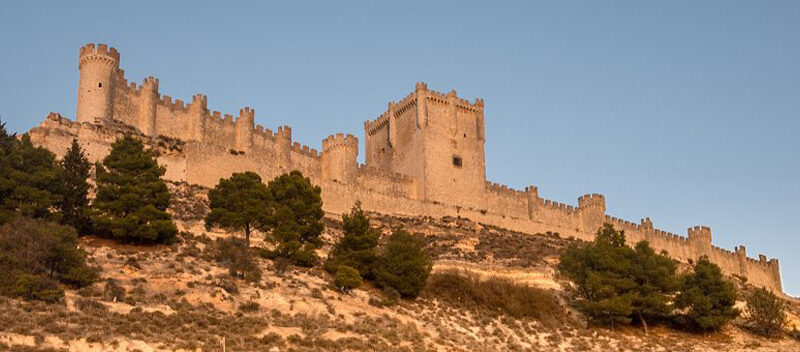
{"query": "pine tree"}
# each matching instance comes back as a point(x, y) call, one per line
point(358, 246)
point(656, 283)
point(132, 199)
point(74, 204)
point(296, 223)
point(766, 312)
point(240, 203)
point(708, 298)
point(601, 274)
point(29, 178)
point(404, 264)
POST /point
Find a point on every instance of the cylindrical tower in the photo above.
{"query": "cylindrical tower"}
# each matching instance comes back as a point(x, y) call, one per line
point(245, 124)
point(339, 154)
point(147, 106)
point(97, 65)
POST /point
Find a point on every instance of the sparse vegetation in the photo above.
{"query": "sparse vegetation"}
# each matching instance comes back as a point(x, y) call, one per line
point(495, 296)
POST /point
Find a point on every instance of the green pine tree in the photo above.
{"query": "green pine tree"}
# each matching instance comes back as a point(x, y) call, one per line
point(707, 298)
point(601, 274)
point(132, 199)
point(296, 223)
point(74, 204)
point(358, 246)
point(29, 178)
point(404, 264)
point(766, 313)
point(240, 203)
point(656, 283)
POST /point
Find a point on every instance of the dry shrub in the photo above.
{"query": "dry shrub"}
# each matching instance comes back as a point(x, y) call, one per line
point(495, 295)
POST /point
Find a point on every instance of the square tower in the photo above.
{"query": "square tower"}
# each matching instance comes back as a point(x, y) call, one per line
point(437, 138)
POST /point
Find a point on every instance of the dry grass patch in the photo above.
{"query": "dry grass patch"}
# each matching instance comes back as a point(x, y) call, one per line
point(495, 295)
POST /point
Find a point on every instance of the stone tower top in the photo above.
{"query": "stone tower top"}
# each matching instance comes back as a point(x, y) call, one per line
point(101, 53)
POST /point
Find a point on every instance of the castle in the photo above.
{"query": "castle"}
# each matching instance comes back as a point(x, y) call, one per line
point(424, 157)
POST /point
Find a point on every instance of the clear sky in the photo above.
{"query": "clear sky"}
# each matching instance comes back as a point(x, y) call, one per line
point(684, 111)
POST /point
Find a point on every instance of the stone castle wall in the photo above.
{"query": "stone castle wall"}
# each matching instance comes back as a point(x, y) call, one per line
point(200, 147)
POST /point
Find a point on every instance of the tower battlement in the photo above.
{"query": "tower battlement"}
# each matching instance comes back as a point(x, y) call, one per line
point(100, 53)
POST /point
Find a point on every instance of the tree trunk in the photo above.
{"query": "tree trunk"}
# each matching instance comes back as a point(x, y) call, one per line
point(644, 323)
point(247, 236)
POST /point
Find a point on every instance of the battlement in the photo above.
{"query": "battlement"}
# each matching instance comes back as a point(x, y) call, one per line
point(247, 113)
point(702, 233)
point(591, 200)
point(150, 83)
point(100, 53)
point(339, 140)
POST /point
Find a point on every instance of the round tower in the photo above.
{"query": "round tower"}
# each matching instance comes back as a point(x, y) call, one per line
point(97, 65)
point(339, 154)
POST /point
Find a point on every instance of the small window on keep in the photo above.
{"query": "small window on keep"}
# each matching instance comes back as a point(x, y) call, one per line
point(457, 161)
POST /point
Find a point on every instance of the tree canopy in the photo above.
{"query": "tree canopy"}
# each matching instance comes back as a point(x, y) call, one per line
point(296, 223)
point(240, 203)
point(74, 203)
point(358, 246)
point(132, 199)
point(618, 284)
point(404, 264)
point(707, 298)
point(29, 178)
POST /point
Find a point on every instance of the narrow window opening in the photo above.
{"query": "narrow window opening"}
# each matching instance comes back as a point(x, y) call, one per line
point(457, 160)
point(100, 85)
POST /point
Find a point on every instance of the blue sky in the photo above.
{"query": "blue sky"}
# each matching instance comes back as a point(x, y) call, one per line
point(684, 111)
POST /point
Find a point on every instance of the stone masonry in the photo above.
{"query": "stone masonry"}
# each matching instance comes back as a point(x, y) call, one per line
point(424, 157)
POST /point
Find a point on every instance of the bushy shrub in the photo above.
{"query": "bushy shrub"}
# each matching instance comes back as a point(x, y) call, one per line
point(38, 287)
point(404, 264)
point(706, 298)
point(132, 199)
point(347, 278)
point(31, 248)
point(249, 307)
point(495, 295)
point(765, 313)
point(234, 254)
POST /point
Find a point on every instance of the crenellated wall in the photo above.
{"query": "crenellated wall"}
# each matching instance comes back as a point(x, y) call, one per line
point(410, 168)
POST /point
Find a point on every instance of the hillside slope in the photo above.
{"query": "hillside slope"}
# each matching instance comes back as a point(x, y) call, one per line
point(176, 297)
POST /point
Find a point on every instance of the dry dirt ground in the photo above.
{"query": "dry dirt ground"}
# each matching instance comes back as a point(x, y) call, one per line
point(165, 298)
